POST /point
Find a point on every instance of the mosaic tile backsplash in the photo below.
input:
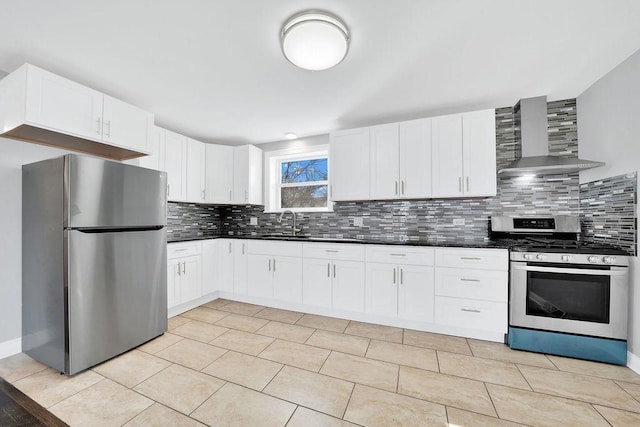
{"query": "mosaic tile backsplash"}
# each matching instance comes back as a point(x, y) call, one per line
point(608, 208)
point(422, 220)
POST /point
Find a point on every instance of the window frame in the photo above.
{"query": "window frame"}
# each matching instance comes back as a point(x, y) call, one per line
point(273, 161)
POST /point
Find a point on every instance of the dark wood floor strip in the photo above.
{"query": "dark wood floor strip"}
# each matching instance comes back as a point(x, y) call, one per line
point(18, 409)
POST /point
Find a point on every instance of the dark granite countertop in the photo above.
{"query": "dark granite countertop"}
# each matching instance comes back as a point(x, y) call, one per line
point(488, 244)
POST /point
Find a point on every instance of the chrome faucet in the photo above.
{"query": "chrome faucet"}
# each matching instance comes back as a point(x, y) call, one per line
point(293, 215)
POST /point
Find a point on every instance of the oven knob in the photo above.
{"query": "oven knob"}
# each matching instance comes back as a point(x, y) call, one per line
point(566, 258)
point(527, 256)
point(540, 257)
point(609, 259)
point(593, 259)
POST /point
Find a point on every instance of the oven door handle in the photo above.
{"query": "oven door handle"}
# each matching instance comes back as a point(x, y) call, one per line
point(614, 271)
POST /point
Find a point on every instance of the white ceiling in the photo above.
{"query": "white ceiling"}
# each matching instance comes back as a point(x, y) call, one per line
point(213, 69)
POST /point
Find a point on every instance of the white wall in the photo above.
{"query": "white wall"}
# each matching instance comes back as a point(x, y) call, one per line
point(609, 131)
point(13, 154)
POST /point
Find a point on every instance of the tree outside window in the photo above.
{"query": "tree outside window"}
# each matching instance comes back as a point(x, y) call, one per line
point(304, 183)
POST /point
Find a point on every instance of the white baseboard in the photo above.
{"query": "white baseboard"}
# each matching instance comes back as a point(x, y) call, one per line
point(11, 347)
point(633, 362)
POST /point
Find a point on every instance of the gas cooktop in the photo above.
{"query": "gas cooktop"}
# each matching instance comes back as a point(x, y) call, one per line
point(527, 244)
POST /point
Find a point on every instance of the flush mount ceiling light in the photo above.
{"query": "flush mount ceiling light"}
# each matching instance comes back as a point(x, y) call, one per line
point(290, 135)
point(314, 40)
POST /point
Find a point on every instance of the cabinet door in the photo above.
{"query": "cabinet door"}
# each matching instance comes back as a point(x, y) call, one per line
point(255, 176)
point(240, 267)
point(316, 282)
point(287, 279)
point(384, 166)
point(241, 175)
point(60, 104)
point(446, 160)
point(191, 284)
point(479, 153)
point(155, 159)
point(416, 293)
point(349, 164)
point(126, 125)
point(218, 173)
point(415, 159)
point(175, 164)
point(260, 276)
point(382, 289)
point(210, 266)
point(195, 171)
point(348, 285)
point(225, 266)
point(174, 274)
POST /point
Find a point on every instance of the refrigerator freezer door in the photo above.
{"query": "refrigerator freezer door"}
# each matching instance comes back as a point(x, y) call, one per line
point(101, 193)
point(117, 293)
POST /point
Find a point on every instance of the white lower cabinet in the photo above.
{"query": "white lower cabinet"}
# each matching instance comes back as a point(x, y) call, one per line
point(210, 266)
point(240, 260)
point(225, 265)
point(184, 272)
point(333, 276)
point(471, 288)
point(399, 282)
point(274, 270)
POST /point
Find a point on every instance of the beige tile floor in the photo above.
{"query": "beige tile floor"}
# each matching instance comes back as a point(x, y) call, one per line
point(234, 364)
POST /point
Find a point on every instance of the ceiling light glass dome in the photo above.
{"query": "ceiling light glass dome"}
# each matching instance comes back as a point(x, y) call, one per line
point(314, 40)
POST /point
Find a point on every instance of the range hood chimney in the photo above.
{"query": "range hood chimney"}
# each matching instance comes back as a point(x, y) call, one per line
point(535, 158)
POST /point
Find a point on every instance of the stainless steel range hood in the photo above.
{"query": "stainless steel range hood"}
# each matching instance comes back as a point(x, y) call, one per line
point(535, 158)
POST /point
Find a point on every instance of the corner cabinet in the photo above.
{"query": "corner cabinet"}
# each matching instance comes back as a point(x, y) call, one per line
point(233, 175)
point(42, 107)
point(349, 164)
point(464, 155)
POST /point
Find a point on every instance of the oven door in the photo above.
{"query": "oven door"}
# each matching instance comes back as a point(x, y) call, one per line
point(570, 299)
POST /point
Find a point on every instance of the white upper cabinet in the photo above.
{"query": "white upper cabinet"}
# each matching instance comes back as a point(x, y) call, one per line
point(41, 107)
point(401, 160)
point(464, 154)
point(195, 175)
point(155, 159)
point(479, 149)
point(247, 175)
point(415, 159)
point(446, 161)
point(175, 164)
point(126, 125)
point(349, 164)
point(385, 161)
point(219, 174)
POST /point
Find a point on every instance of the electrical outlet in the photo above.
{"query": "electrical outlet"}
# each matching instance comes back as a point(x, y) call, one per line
point(358, 221)
point(458, 221)
point(253, 220)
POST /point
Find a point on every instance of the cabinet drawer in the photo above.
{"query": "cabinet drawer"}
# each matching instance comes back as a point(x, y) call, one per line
point(484, 259)
point(183, 249)
point(470, 314)
point(399, 255)
point(271, 248)
point(334, 251)
point(483, 285)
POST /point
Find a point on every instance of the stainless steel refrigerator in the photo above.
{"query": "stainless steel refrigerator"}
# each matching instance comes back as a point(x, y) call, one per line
point(94, 265)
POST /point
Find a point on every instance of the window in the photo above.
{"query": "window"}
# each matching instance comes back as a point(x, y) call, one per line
point(298, 181)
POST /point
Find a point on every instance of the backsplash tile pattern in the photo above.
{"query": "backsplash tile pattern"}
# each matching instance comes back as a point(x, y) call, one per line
point(432, 220)
point(186, 221)
point(608, 209)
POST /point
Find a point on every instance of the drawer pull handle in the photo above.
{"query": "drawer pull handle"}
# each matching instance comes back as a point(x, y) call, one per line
point(470, 310)
point(331, 250)
point(471, 258)
point(398, 254)
point(180, 250)
point(462, 279)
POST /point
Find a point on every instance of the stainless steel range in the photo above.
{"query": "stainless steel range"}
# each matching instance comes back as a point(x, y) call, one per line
point(567, 297)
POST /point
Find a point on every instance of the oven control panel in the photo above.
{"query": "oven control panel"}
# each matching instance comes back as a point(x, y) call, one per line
point(570, 258)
